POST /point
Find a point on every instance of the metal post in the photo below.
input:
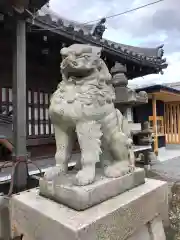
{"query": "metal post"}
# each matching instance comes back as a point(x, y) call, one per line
point(19, 103)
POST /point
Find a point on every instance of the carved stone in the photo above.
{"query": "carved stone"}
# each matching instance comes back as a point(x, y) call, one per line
point(144, 137)
point(145, 127)
point(118, 75)
point(128, 96)
point(84, 103)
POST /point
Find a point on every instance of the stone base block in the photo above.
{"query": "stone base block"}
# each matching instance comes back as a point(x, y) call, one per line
point(63, 191)
point(133, 215)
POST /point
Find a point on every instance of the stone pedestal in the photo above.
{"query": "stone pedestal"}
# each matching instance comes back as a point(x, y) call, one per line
point(63, 191)
point(134, 215)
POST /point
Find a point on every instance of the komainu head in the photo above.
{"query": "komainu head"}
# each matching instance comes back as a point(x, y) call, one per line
point(80, 59)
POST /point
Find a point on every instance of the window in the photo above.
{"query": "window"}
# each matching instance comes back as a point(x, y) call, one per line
point(6, 100)
point(38, 115)
point(38, 121)
point(160, 124)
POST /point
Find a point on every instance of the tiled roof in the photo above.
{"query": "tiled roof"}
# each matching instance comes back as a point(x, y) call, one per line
point(158, 87)
point(136, 86)
point(150, 57)
point(175, 85)
point(45, 11)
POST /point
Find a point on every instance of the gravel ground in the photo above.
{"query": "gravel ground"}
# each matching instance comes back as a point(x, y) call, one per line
point(170, 171)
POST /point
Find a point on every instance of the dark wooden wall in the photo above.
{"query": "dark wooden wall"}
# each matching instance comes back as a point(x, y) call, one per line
point(141, 114)
point(42, 78)
point(43, 75)
point(161, 141)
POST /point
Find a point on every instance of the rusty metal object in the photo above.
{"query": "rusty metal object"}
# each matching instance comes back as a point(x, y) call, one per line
point(5, 223)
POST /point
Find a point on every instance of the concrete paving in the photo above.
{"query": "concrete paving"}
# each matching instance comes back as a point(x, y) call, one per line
point(167, 165)
point(168, 153)
point(169, 170)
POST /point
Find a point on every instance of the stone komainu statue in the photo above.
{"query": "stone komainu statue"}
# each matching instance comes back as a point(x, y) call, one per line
point(84, 102)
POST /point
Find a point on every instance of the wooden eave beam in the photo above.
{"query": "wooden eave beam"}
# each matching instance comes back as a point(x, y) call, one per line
point(14, 7)
point(19, 5)
point(165, 96)
point(27, 4)
point(170, 93)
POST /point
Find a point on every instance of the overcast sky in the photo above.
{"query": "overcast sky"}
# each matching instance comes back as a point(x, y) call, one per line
point(150, 27)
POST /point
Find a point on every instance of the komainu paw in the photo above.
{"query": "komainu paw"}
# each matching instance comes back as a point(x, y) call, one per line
point(85, 176)
point(117, 169)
